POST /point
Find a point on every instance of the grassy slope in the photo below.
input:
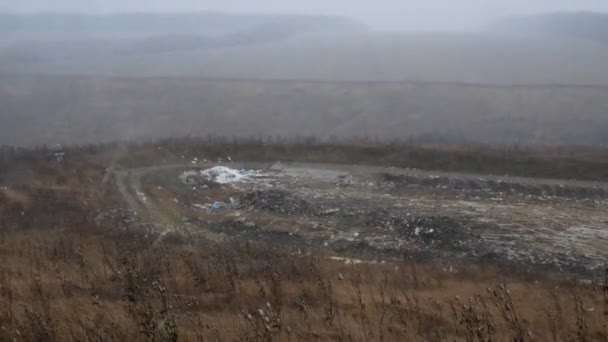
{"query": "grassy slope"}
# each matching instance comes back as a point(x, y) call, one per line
point(39, 110)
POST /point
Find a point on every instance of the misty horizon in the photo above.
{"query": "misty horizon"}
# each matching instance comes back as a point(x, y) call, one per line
point(384, 15)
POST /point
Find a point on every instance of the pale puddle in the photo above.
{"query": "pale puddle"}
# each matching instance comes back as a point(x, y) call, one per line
point(473, 206)
point(308, 173)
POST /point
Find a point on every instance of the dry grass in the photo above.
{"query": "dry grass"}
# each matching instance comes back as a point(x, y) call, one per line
point(107, 285)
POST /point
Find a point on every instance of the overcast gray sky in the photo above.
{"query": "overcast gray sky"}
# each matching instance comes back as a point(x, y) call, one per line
point(382, 14)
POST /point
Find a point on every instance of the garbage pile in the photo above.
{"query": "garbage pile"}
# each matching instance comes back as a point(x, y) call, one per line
point(275, 201)
point(216, 175)
point(435, 231)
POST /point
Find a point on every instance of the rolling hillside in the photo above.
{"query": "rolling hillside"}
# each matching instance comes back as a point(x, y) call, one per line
point(60, 25)
point(583, 25)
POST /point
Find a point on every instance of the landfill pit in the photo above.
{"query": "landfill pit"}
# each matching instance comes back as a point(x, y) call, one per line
point(386, 213)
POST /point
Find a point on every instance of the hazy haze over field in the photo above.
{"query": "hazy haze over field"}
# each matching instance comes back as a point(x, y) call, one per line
point(382, 14)
point(480, 71)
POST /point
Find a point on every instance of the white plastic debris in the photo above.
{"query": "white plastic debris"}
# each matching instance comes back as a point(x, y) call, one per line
point(218, 174)
point(142, 197)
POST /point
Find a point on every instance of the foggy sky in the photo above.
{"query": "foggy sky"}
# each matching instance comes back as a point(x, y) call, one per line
point(381, 14)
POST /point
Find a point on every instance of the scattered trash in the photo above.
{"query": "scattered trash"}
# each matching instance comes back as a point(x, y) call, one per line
point(345, 180)
point(142, 197)
point(277, 201)
point(330, 212)
point(349, 261)
point(489, 186)
point(199, 206)
point(215, 206)
point(386, 217)
point(428, 231)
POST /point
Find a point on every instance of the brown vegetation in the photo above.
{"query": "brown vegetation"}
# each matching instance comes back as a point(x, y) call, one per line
point(108, 285)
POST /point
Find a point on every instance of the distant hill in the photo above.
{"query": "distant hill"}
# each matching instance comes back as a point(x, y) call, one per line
point(246, 46)
point(369, 56)
point(43, 38)
point(583, 25)
point(145, 24)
